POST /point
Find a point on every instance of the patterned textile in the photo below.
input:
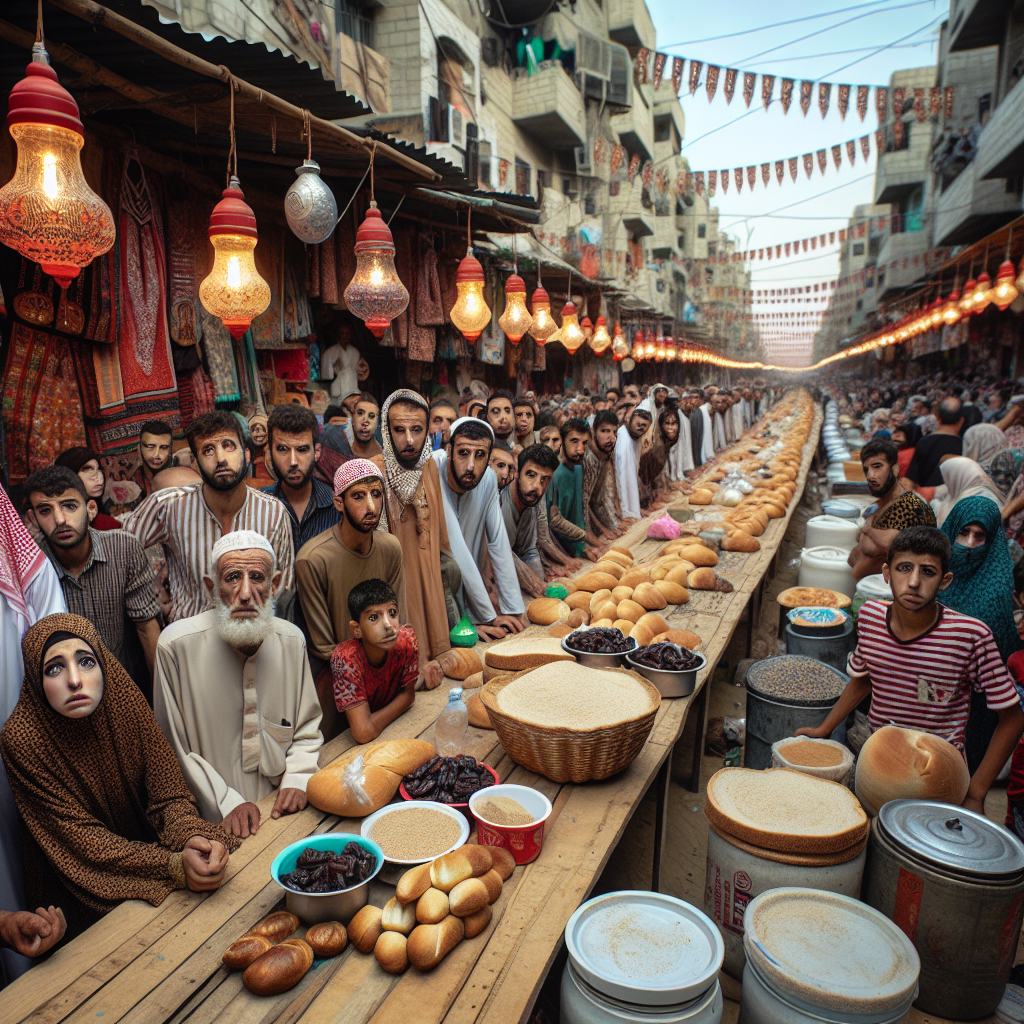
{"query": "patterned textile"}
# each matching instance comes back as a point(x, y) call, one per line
point(318, 515)
point(357, 682)
point(20, 557)
point(185, 241)
point(267, 328)
point(406, 484)
point(906, 511)
point(218, 346)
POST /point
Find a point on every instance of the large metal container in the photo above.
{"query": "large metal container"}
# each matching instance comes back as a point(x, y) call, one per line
point(772, 717)
point(832, 650)
point(954, 883)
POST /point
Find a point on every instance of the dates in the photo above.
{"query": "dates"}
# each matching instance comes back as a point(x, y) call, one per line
point(666, 656)
point(448, 780)
point(600, 640)
point(321, 871)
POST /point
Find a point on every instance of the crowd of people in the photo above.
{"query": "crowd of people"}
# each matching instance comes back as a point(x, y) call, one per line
point(175, 652)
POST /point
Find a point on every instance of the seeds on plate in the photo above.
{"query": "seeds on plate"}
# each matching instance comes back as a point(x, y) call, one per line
point(415, 833)
point(503, 810)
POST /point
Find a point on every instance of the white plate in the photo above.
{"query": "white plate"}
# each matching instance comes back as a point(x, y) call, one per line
point(413, 805)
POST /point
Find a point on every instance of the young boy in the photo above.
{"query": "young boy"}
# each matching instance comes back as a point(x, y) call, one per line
point(918, 660)
point(376, 669)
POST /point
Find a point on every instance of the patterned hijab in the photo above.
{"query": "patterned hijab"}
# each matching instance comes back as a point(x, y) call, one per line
point(102, 797)
point(20, 557)
point(1006, 467)
point(983, 442)
point(405, 484)
point(982, 577)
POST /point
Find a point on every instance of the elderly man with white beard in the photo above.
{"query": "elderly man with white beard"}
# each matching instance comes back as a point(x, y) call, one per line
point(234, 695)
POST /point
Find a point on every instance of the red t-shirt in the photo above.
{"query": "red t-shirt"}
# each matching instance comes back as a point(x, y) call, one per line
point(926, 683)
point(356, 681)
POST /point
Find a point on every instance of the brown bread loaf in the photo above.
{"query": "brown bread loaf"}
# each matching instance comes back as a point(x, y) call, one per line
point(429, 944)
point(282, 967)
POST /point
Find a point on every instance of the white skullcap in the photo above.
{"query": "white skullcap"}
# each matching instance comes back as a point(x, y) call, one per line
point(241, 540)
point(463, 420)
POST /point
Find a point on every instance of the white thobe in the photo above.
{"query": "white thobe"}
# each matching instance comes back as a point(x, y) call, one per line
point(472, 518)
point(748, 414)
point(680, 455)
point(707, 443)
point(240, 727)
point(627, 472)
point(720, 438)
point(736, 417)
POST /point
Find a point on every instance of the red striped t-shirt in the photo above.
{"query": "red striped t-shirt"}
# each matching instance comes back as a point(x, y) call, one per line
point(925, 683)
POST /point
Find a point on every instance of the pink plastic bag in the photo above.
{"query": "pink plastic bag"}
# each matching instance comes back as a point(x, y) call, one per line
point(663, 528)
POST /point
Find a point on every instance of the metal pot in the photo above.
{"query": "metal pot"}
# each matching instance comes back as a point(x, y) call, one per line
point(670, 683)
point(592, 660)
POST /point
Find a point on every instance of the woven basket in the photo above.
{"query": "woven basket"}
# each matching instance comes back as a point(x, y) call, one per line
point(569, 755)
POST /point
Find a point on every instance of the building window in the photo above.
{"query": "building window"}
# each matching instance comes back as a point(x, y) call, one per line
point(484, 178)
point(858, 248)
point(702, 231)
point(355, 21)
point(522, 178)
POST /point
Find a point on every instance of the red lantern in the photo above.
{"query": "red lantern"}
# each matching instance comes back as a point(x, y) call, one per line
point(375, 294)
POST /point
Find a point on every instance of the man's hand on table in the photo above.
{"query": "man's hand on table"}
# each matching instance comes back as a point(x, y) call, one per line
point(243, 821)
point(32, 934)
point(291, 800)
point(433, 675)
point(974, 804)
point(205, 861)
point(501, 627)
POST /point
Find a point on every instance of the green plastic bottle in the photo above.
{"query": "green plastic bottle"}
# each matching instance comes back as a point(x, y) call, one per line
point(464, 634)
point(556, 590)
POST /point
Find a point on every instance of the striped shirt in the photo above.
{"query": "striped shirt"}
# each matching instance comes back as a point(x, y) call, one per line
point(180, 519)
point(926, 683)
point(318, 515)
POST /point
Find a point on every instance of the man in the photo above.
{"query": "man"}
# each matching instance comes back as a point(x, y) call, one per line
point(414, 515)
point(655, 400)
point(31, 934)
point(628, 449)
point(330, 565)
point(477, 410)
point(526, 418)
point(234, 694)
point(600, 498)
point(631, 394)
point(680, 456)
point(442, 415)
point(719, 404)
point(933, 449)
point(365, 417)
point(896, 504)
point(748, 408)
point(104, 575)
point(566, 492)
point(294, 443)
point(702, 430)
point(918, 661)
point(188, 521)
point(501, 415)
point(474, 520)
point(611, 397)
point(519, 504)
point(339, 363)
point(503, 462)
point(919, 409)
point(154, 452)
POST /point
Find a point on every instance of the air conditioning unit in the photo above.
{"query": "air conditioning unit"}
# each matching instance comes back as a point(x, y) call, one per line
point(583, 158)
point(456, 127)
point(593, 55)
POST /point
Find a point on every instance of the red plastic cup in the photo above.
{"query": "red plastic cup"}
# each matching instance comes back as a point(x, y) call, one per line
point(524, 842)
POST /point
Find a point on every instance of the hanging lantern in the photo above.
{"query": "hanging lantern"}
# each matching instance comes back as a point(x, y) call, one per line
point(309, 205)
point(1019, 283)
point(620, 347)
point(543, 323)
point(516, 319)
point(470, 314)
point(587, 328)
point(982, 293)
point(48, 213)
point(639, 352)
point(951, 310)
point(1005, 291)
point(967, 298)
point(375, 294)
point(649, 346)
point(935, 314)
point(234, 290)
point(670, 349)
point(600, 340)
point(572, 333)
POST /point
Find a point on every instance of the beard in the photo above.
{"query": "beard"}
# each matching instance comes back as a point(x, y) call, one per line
point(301, 483)
point(223, 483)
point(407, 458)
point(243, 634)
point(884, 487)
point(500, 435)
point(573, 460)
point(362, 525)
point(69, 542)
point(163, 465)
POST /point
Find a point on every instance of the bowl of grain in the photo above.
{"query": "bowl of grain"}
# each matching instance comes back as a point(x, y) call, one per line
point(416, 831)
point(512, 817)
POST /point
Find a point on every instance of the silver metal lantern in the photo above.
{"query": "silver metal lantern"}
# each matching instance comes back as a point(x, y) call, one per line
point(309, 205)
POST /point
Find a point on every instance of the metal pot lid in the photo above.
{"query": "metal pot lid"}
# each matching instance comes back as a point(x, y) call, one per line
point(644, 948)
point(952, 838)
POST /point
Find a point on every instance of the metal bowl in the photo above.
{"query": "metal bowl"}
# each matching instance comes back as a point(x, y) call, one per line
point(671, 683)
point(314, 907)
point(599, 660)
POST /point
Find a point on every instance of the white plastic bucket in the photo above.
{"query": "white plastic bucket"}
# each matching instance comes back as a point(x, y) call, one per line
point(870, 588)
point(831, 531)
point(826, 567)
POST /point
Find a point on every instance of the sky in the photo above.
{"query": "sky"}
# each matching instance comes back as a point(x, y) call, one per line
point(882, 36)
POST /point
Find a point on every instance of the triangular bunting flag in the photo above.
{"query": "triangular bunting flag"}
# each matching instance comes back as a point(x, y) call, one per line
point(766, 173)
point(725, 181)
point(641, 64)
point(730, 83)
point(851, 152)
point(659, 68)
point(786, 97)
point(780, 170)
point(738, 178)
point(711, 80)
point(695, 68)
point(712, 182)
point(843, 101)
point(862, 100)
point(767, 86)
point(792, 168)
point(837, 156)
point(919, 104)
point(824, 96)
point(677, 74)
point(805, 96)
point(748, 86)
point(808, 163)
point(751, 176)
point(865, 146)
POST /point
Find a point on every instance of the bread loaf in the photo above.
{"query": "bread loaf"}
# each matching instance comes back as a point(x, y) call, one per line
point(282, 967)
point(596, 581)
point(648, 596)
point(432, 906)
point(493, 881)
point(329, 938)
point(365, 927)
point(392, 952)
point(678, 573)
point(699, 555)
point(598, 597)
point(578, 617)
point(429, 944)
point(477, 922)
point(468, 897)
point(398, 917)
point(581, 599)
point(629, 610)
point(503, 862)
point(740, 541)
point(559, 631)
point(621, 593)
point(673, 592)
point(680, 637)
point(898, 763)
point(477, 716)
point(546, 610)
point(248, 948)
point(605, 622)
point(706, 579)
point(466, 862)
point(611, 567)
point(701, 496)
point(276, 926)
point(619, 554)
point(624, 626)
point(605, 610)
point(413, 884)
point(459, 662)
point(521, 653)
point(634, 578)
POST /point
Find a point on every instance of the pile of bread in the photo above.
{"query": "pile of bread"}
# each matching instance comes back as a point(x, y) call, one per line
point(434, 908)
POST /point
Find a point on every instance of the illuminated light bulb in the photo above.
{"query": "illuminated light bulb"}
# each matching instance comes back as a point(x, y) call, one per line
point(572, 334)
point(620, 347)
point(1005, 291)
point(967, 298)
point(638, 346)
point(470, 314)
point(935, 314)
point(982, 293)
point(951, 310)
point(516, 319)
point(670, 349)
point(587, 328)
point(600, 340)
point(48, 213)
point(543, 323)
point(234, 290)
point(375, 294)
point(649, 346)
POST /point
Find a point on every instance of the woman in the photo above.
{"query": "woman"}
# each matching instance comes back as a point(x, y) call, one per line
point(983, 442)
point(652, 461)
point(905, 436)
point(880, 424)
point(1005, 468)
point(86, 463)
point(964, 478)
point(983, 588)
point(106, 814)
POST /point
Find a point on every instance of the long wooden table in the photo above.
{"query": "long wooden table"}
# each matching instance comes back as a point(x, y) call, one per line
point(151, 965)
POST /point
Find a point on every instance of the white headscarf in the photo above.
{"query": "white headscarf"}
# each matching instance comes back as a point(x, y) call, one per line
point(964, 478)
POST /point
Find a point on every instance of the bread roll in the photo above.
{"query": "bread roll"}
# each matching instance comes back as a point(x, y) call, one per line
point(605, 610)
point(699, 555)
point(598, 598)
point(621, 593)
point(546, 610)
point(678, 573)
point(578, 617)
point(364, 928)
point(649, 597)
point(248, 948)
point(468, 897)
point(276, 926)
point(398, 917)
point(477, 922)
point(503, 862)
point(740, 541)
point(634, 578)
point(493, 881)
point(701, 579)
point(624, 626)
point(391, 951)
point(611, 567)
point(432, 906)
point(413, 884)
point(459, 662)
point(898, 763)
point(701, 496)
point(477, 716)
point(282, 967)
point(466, 862)
point(681, 637)
point(673, 592)
point(620, 555)
point(329, 938)
point(630, 610)
point(596, 581)
point(581, 599)
point(429, 944)
point(654, 622)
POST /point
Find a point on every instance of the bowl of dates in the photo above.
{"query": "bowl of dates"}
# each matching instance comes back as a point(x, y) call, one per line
point(599, 646)
point(327, 877)
point(671, 668)
point(449, 780)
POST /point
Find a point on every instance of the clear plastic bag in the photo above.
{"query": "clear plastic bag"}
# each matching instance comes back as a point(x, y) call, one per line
point(354, 781)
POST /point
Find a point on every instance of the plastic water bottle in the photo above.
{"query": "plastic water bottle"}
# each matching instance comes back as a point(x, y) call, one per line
point(450, 730)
